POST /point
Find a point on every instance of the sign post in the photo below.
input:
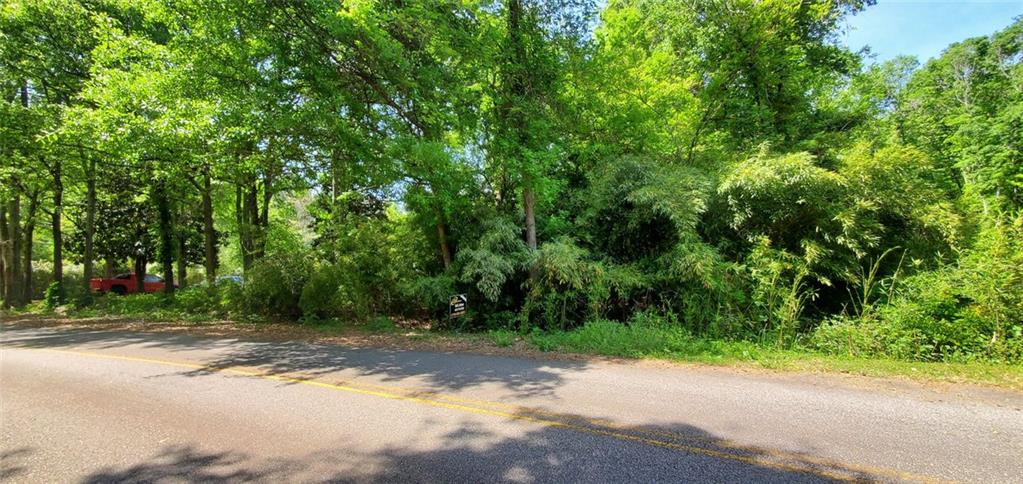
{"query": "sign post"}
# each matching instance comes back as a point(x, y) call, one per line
point(457, 305)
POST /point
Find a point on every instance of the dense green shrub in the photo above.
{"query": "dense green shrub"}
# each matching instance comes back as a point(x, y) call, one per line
point(273, 285)
point(788, 198)
point(843, 335)
point(70, 290)
point(778, 292)
point(75, 289)
point(320, 297)
point(370, 257)
point(992, 278)
point(567, 286)
point(496, 257)
point(42, 276)
point(230, 296)
point(647, 334)
point(427, 296)
point(55, 295)
point(498, 320)
point(132, 305)
point(334, 291)
point(197, 300)
point(972, 310)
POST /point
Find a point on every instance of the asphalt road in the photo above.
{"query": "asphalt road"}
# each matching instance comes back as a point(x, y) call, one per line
point(91, 406)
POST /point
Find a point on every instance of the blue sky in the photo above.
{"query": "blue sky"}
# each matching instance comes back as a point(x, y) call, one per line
point(924, 28)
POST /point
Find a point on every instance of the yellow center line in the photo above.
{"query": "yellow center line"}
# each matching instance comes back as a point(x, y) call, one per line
point(832, 469)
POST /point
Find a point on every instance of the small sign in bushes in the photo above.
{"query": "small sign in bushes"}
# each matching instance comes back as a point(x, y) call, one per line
point(457, 305)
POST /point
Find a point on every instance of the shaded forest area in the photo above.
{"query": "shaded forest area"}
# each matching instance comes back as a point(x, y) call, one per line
point(727, 169)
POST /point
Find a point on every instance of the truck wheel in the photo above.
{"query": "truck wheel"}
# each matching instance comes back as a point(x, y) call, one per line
point(119, 290)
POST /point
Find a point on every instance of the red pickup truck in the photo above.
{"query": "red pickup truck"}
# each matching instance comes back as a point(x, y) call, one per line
point(125, 284)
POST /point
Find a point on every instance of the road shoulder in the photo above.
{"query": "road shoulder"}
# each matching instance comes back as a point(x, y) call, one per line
point(929, 381)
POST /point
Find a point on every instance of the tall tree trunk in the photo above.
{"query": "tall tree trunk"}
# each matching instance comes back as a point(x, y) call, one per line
point(529, 207)
point(29, 235)
point(264, 211)
point(517, 87)
point(140, 272)
point(167, 246)
point(239, 214)
point(182, 254)
point(252, 216)
point(58, 213)
point(209, 235)
point(264, 215)
point(108, 269)
point(90, 220)
point(438, 209)
point(245, 204)
point(14, 286)
point(4, 258)
point(442, 237)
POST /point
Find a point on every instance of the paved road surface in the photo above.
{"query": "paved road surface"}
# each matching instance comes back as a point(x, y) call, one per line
point(92, 406)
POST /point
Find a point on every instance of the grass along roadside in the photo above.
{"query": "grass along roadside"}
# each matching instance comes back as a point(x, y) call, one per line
point(603, 339)
point(674, 345)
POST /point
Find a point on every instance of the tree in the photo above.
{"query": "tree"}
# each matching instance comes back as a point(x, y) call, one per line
point(23, 123)
point(48, 46)
point(964, 109)
point(525, 99)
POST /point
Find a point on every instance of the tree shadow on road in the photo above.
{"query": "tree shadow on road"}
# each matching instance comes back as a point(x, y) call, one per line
point(54, 338)
point(536, 449)
point(427, 370)
point(11, 464)
point(183, 464)
point(466, 454)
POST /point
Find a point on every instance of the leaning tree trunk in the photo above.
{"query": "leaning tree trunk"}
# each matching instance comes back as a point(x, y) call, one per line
point(438, 210)
point(442, 237)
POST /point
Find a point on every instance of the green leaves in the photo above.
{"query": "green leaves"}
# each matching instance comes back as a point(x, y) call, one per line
point(876, 199)
point(775, 194)
point(963, 109)
point(497, 255)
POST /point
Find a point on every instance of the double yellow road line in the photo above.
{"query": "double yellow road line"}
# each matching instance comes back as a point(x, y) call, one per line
point(692, 444)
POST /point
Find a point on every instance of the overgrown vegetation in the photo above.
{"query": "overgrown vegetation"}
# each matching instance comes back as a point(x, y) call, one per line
point(650, 179)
